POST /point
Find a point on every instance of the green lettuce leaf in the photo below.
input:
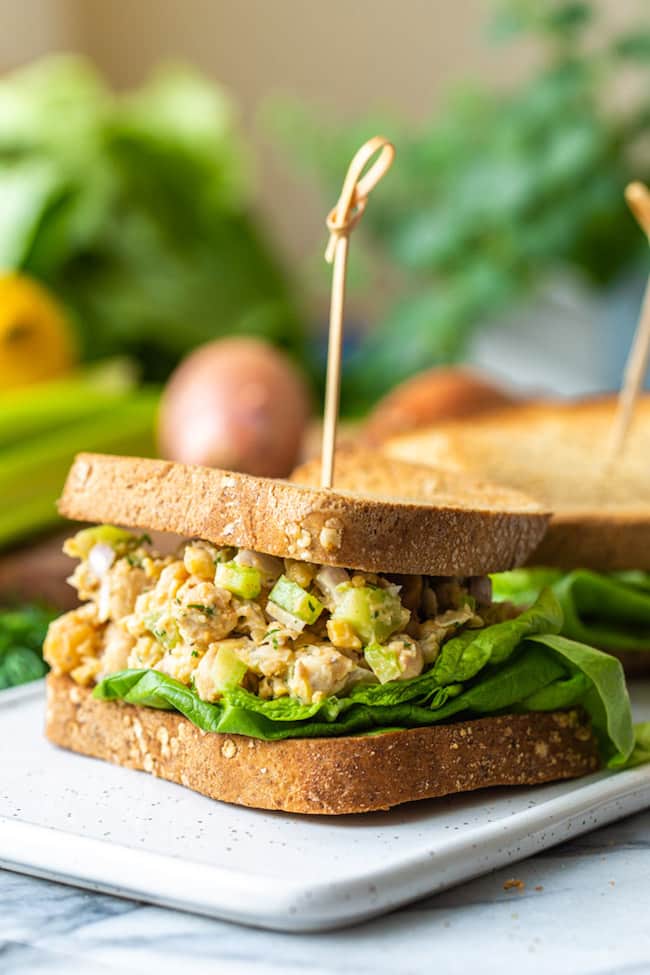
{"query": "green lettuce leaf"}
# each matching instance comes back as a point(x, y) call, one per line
point(603, 610)
point(465, 655)
point(599, 681)
point(641, 752)
point(513, 666)
point(523, 586)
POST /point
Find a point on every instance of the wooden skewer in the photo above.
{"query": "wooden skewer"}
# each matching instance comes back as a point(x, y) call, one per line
point(341, 221)
point(638, 200)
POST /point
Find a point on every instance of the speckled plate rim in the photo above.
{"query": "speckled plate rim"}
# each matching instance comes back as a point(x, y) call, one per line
point(257, 900)
point(33, 688)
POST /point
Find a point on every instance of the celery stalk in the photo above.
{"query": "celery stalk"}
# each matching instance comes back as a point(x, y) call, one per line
point(27, 467)
point(32, 473)
point(48, 406)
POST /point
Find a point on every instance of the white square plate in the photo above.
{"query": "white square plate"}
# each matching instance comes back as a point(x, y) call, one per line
point(94, 825)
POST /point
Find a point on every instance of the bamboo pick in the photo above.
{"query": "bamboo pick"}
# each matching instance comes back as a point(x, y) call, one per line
point(341, 221)
point(638, 200)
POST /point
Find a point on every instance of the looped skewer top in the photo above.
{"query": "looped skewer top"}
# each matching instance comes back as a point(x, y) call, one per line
point(356, 188)
point(341, 221)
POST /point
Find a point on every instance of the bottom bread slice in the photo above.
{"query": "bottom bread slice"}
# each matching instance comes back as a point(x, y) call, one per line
point(324, 775)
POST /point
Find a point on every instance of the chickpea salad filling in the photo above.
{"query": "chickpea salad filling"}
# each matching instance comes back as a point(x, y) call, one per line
point(214, 618)
point(244, 643)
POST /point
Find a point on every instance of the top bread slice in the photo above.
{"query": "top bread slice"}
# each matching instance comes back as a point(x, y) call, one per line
point(556, 451)
point(463, 528)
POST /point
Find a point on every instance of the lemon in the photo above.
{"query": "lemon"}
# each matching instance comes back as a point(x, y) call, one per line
point(36, 338)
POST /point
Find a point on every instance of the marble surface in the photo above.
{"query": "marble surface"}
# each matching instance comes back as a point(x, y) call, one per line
point(583, 910)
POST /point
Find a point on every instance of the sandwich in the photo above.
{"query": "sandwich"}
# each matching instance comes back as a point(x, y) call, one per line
point(596, 552)
point(319, 651)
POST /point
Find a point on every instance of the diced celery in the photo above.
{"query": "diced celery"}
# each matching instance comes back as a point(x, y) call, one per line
point(242, 580)
point(383, 662)
point(81, 544)
point(166, 633)
point(295, 600)
point(372, 613)
point(286, 619)
point(228, 670)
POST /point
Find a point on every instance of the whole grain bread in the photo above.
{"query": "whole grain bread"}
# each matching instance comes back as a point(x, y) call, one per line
point(462, 529)
point(328, 776)
point(555, 451)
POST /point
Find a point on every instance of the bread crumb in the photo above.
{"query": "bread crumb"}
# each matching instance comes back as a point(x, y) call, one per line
point(514, 884)
point(583, 733)
point(331, 534)
point(82, 470)
point(229, 748)
point(304, 540)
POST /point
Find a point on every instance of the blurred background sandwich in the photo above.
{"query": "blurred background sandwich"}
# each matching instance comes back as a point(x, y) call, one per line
point(596, 553)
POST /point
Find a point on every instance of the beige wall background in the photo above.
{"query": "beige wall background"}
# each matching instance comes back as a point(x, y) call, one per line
point(346, 55)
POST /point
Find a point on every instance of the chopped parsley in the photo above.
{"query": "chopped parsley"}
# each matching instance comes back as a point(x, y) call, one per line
point(207, 610)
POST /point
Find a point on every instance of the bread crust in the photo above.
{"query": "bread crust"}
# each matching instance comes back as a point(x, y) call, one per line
point(323, 776)
point(555, 451)
point(604, 542)
point(375, 534)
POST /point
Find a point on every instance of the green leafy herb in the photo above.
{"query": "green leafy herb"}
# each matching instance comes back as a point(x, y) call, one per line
point(206, 610)
point(22, 631)
point(137, 212)
point(494, 191)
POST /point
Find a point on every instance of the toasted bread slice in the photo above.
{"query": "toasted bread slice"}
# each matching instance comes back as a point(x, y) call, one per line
point(324, 775)
point(555, 451)
point(461, 530)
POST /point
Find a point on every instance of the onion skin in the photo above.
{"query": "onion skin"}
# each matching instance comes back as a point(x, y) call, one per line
point(432, 396)
point(237, 404)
